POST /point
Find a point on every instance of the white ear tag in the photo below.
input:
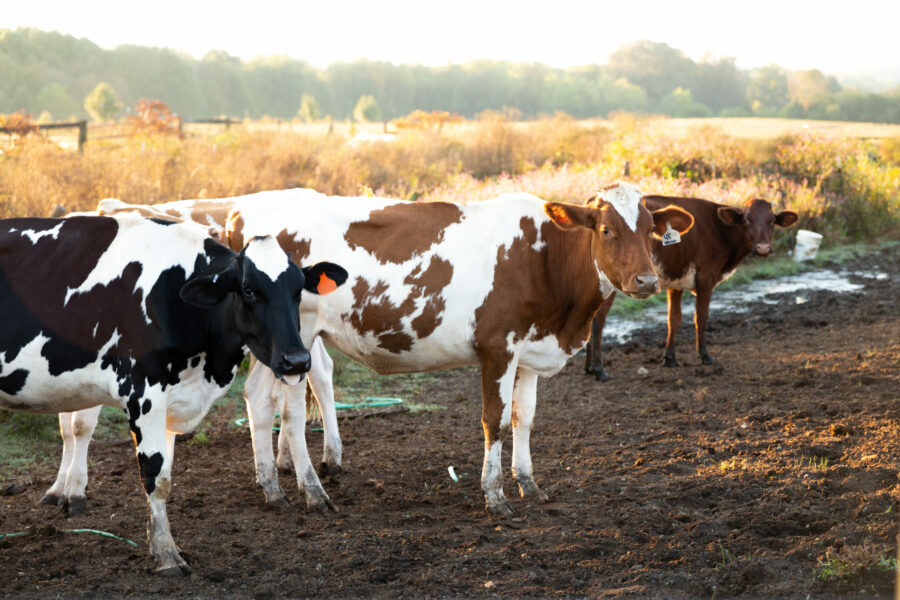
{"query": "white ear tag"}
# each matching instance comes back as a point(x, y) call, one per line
point(670, 236)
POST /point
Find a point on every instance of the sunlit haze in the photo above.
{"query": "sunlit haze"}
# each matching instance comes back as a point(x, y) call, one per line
point(833, 37)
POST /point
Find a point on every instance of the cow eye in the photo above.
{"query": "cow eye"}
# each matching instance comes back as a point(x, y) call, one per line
point(249, 294)
point(605, 230)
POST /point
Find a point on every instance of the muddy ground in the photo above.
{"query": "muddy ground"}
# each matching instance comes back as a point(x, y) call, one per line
point(695, 482)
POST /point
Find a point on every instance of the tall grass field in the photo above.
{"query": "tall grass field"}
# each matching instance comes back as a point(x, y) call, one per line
point(843, 179)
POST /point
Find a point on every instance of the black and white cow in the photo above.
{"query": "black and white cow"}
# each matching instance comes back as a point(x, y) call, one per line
point(148, 316)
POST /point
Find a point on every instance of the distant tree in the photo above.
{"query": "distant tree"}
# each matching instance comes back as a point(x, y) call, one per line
point(656, 67)
point(767, 88)
point(719, 84)
point(805, 88)
point(680, 103)
point(309, 109)
point(54, 98)
point(366, 110)
point(102, 103)
point(624, 95)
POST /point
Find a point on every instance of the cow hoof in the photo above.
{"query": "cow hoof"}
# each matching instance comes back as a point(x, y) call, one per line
point(51, 500)
point(74, 506)
point(330, 471)
point(178, 570)
point(598, 373)
point(530, 490)
point(285, 470)
point(500, 509)
point(320, 503)
point(322, 507)
point(706, 359)
point(278, 504)
point(670, 362)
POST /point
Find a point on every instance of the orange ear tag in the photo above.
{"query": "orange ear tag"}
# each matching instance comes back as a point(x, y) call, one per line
point(326, 285)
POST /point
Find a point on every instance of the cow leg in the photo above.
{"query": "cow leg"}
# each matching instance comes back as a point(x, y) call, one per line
point(674, 301)
point(83, 424)
point(68, 491)
point(701, 315)
point(593, 364)
point(293, 428)
point(147, 419)
point(258, 390)
point(321, 381)
point(321, 388)
point(524, 401)
point(283, 457)
point(497, 379)
point(56, 493)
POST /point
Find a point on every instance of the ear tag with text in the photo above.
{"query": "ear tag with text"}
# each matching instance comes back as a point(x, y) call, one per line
point(670, 236)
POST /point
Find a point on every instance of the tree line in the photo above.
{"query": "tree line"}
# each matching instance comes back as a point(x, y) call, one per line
point(53, 74)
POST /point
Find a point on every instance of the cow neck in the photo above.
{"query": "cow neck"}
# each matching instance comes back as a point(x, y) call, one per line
point(733, 238)
point(222, 345)
point(574, 283)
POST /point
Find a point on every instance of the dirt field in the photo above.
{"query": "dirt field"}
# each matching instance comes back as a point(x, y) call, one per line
point(694, 482)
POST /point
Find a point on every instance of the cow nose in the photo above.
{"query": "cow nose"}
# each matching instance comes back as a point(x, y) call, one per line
point(296, 362)
point(764, 249)
point(647, 282)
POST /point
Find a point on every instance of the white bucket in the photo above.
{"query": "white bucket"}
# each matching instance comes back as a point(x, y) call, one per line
point(807, 245)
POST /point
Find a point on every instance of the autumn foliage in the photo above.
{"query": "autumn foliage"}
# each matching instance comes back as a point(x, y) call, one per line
point(18, 124)
point(153, 117)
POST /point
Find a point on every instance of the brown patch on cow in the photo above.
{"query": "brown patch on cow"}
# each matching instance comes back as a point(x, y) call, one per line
point(298, 249)
point(399, 232)
point(206, 212)
point(234, 231)
point(143, 211)
point(374, 313)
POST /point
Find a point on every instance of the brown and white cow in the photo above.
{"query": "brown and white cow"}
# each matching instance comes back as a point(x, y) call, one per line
point(511, 284)
point(709, 254)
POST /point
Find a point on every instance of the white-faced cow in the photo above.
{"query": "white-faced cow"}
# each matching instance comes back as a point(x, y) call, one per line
point(148, 316)
point(709, 254)
point(511, 284)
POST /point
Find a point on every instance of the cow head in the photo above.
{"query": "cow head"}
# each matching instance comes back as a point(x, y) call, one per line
point(261, 289)
point(621, 229)
point(758, 220)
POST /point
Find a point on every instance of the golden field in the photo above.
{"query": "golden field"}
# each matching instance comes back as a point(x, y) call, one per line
point(844, 178)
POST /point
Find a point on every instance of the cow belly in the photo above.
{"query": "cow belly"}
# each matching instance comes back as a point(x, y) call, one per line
point(686, 281)
point(27, 384)
point(429, 354)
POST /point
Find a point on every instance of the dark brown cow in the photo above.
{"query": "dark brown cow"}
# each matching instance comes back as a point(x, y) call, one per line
point(721, 238)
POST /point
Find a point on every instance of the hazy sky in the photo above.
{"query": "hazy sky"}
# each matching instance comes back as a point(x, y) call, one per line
point(832, 36)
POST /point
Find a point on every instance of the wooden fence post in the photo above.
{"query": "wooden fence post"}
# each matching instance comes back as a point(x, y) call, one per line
point(82, 135)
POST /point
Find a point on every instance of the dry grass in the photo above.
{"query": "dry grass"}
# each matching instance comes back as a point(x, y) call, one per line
point(843, 186)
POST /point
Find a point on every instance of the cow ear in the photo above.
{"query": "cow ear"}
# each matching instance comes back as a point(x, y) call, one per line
point(323, 278)
point(786, 218)
point(570, 216)
point(209, 290)
point(730, 215)
point(679, 219)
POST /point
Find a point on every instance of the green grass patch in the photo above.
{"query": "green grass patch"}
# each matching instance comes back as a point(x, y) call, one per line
point(852, 565)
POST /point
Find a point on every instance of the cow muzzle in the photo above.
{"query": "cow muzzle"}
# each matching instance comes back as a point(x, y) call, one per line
point(762, 249)
point(644, 286)
point(293, 365)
